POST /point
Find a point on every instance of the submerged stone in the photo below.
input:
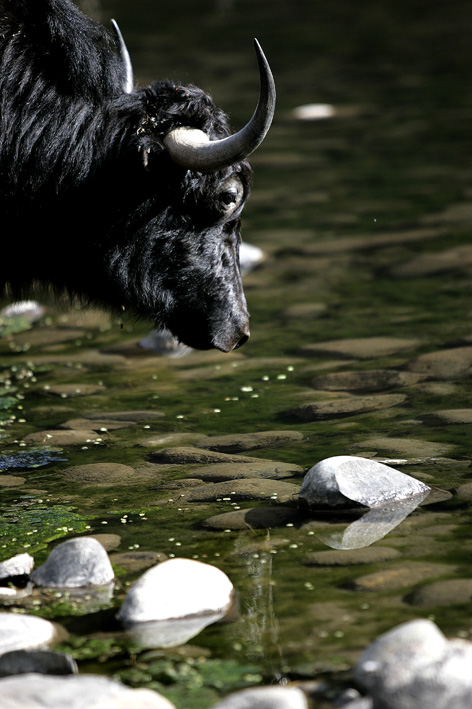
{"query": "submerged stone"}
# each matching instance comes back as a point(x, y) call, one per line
point(360, 348)
point(444, 364)
point(346, 406)
point(74, 563)
point(177, 588)
point(343, 480)
point(182, 455)
point(233, 443)
point(366, 380)
point(55, 437)
point(246, 489)
point(254, 518)
point(217, 472)
point(106, 473)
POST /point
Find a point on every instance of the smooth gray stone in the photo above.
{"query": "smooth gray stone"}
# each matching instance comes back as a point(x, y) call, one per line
point(236, 442)
point(74, 563)
point(18, 565)
point(21, 632)
point(36, 691)
point(46, 662)
point(254, 518)
point(342, 480)
point(265, 698)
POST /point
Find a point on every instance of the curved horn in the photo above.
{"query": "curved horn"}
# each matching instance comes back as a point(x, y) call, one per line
point(192, 149)
point(128, 82)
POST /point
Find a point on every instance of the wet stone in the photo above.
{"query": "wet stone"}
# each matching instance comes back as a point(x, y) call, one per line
point(360, 348)
point(99, 426)
point(400, 577)
point(133, 415)
point(75, 563)
point(432, 263)
point(108, 541)
point(371, 380)
point(106, 473)
point(217, 472)
point(351, 557)
point(168, 439)
point(348, 406)
point(132, 561)
point(448, 417)
point(20, 632)
point(45, 337)
point(71, 391)
point(248, 489)
point(55, 437)
point(254, 518)
point(442, 593)
point(183, 455)
point(11, 481)
point(406, 447)
point(20, 662)
point(445, 364)
point(249, 441)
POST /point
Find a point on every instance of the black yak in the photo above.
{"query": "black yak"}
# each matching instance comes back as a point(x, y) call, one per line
point(123, 196)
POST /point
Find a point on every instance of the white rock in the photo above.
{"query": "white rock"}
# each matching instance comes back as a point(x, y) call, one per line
point(250, 256)
point(403, 651)
point(33, 691)
point(265, 698)
point(343, 479)
point(30, 309)
point(20, 632)
point(74, 563)
point(16, 566)
point(177, 588)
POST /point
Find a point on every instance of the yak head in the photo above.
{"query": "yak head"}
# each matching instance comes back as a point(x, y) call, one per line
point(175, 255)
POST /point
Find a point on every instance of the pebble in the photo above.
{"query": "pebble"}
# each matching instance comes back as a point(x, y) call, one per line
point(132, 561)
point(360, 348)
point(447, 417)
point(53, 437)
point(177, 588)
point(108, 541)
point(342, 480)
point(74, 563)
point(18, 662)
point(406, 447)
point(11, 480)
point(46, 336)
point(183, 455)
point(464, 492)
point(20, 632)
point(450, 363)
point(265, 698)
point(19, 565)
point(137, 415)
point(71, 391)
point(366, 380)
point(351, 557)
point(166, 439)
point(247, 489)
point(432, 263)
point(442, 593)
point(106, 473)
point(395, 578)
point(217, 472)
point(35, 691)
point(346, 406)
point(234, 443)
point(253, 518)
point(97, 425)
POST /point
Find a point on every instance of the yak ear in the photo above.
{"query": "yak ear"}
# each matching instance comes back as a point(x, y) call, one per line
point(128, 82)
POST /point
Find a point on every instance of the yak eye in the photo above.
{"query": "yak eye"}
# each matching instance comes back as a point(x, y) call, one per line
point(231, 195)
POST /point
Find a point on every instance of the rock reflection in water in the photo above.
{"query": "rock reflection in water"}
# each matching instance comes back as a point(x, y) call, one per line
point(170, 633)
point(372, 526)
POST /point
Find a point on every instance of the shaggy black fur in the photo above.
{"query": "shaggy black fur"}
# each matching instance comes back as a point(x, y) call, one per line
point(90, 203)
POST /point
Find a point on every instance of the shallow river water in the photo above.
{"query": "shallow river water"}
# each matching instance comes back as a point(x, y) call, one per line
point(365, 220)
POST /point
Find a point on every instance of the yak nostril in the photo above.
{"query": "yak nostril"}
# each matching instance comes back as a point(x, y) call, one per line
point(242, 341)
